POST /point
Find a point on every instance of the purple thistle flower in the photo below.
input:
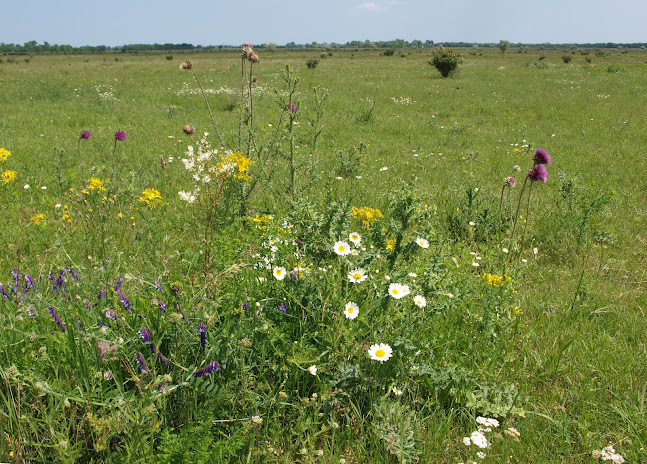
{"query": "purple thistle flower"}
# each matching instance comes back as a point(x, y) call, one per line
point(203, 335)
point(85, 135)
point(283, 309)
point(538, 173)
point(120, 136)
point(145, 334)
point(292, 107)
point(541, 157)
point(142, 363)
point(510, 181)
point(110, 314)
point(254, 79)
point(208, 369)
point(56, 318)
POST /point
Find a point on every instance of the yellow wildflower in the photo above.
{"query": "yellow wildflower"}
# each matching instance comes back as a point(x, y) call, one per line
point(235, 162)
point(96, 184)
point(38, 219)
point(390, 244)
point(517, 311)
point(119, 215)
point(8, 176)
point(151, 197)
point(366, 215)
point(4, 154)
point(496, 280)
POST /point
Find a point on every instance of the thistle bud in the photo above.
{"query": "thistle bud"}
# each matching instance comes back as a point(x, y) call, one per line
point(188, 129)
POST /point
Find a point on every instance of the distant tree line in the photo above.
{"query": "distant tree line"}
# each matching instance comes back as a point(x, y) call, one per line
point(34, 47)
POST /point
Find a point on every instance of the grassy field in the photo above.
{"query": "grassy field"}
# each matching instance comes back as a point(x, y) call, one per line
point(543, 330)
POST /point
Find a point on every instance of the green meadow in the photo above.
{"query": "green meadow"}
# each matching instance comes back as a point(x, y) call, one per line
point(216, 325)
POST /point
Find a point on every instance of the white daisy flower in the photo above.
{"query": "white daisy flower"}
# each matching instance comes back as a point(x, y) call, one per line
point(342, 248)
point(313, 369)
point(351, 311)
point(355, 238)
point(357, 275)
point(422, 243)
point(420, 301)
point(355, 252)
point(279, 273)
point(398, 291)
point(396, 391)
point(380, 352)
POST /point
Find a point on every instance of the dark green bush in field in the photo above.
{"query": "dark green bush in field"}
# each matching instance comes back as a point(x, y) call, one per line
point(566, 59)
point(388, 52)
point(445, 60)
point(312, 63)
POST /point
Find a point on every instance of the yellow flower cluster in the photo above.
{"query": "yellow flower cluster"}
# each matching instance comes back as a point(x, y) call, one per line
point(8, 176)
point(151, 197)
point(366, 215)
point(241, 161)
point(496, 280)
point(4, 154)
point(262, 221)
point(96, 184)
point(38, 219)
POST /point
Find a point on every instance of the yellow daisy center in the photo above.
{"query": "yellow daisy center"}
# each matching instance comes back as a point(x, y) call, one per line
point(380, 353)
point(394, 291)
point(278, 272)
point(341, 248)
point(350, 310)
point(357, 275)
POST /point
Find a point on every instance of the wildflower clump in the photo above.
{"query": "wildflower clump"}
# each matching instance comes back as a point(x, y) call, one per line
point(95, 183)
point(237, 164)
point(37, 219)
point(496, 280)
point(366, 215)
point(151, 197)
point(4, 154)
point(8, 176)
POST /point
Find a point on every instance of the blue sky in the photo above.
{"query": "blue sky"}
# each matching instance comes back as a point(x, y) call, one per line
point(215, 22)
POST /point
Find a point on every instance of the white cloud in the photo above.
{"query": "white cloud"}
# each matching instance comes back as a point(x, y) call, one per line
point(370, 6)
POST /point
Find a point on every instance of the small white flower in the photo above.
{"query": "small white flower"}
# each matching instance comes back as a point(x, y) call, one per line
point(524, 260)
point(479, 439)
point(57, 205)
point(43, 188)
point(422, 243)
point(355, 238)
point(420, 301)
point(339, 178)
point(279, 273)
point(351, 311)
point(384, 168)
point(26, 186)
point(480, 455)
point(257, 420)
point(505, 250)
point(342, 248)
point(412, 274)
point(475, 264)
point(357, 275)
point(398, 291)
point(396, 391)
point(313, 369)
point(535, 250)
point(467, 441)
point(472, 223)
point(450, 295)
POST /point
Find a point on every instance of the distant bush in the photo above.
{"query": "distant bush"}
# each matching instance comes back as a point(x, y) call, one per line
point(388, 52)
point(566, 59)
point(613, 68)
point(588, 59)
point(323, 55)
point(445, 60)
point(312, 63)
point(600, 53)
point(584, 52)
point(169, 57)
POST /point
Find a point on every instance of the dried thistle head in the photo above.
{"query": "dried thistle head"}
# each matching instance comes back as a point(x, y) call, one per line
point(105, 350)
point(164, 164)
point(188, 129)
point(252, 57)
point(186, 65)
point(247, 49)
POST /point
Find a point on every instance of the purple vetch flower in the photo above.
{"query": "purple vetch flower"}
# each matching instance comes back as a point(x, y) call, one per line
point(292, 107)
point(16, 275)
point(142, 363)
point(56, 318)
point(31, 311)
point(145, 334)
point(538, 173)
point(85, 135)
point(246, 306)
point(283, 309)
point(541, 157)
point(86, 303)
point(73, 274)
point(165, 361)
point(293, 274)
point(110, 314)
point(203, 335)
point(162, 388)
point(162, 306)
point(124, 301)
point(158, 286)
point(179, 310)
point(4, 294)
point(102, 293)
point(120, 136)
point(119, 280)
point(208, 369)
point(29, 282)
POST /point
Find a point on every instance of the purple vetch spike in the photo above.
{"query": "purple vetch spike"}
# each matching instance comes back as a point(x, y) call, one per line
point(4, 294)
point(162, 306)
point(56, 318)
point(179, 310)
point(203, 336)
point(118, 286)
point(293, 274)
point(31, 311)
point(158, 286)
point(283, 309)
point(246, 306)
point(29, 282)
point(165, 361)
point(102, 293)
point(145, 334)
point(124, 301)
point(142, 363)
point(162, 388)
point(16, 275)
point(60, 281)
point(73, 274)
point(208, 369)
point(86, 303)
point(110, 314)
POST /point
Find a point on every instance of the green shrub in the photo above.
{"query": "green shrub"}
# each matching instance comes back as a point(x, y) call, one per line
point(566, 59)
point(588, 59)
point(445, 60)
point(312, 63)
point(388, 52)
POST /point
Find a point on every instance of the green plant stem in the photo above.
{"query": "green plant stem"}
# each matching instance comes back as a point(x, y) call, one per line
point(516, 216)
point(204, 95)
point(525, 228)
